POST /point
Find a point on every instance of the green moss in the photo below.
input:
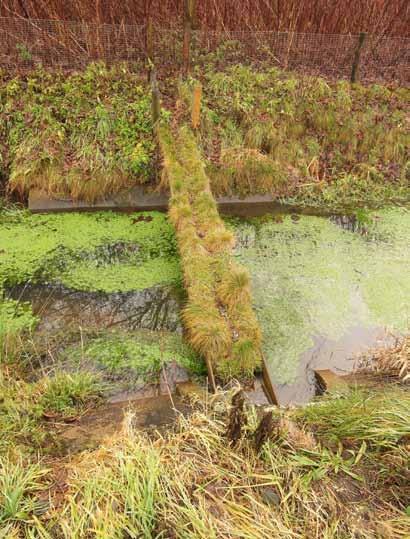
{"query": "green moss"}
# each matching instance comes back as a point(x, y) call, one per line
point(313, 278)
point(121, 277)
point(142, 353)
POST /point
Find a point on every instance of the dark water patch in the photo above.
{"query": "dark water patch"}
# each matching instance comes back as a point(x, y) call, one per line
point(155, 308)
point(338, 357)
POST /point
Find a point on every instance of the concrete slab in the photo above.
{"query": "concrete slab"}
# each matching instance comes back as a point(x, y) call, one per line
point(141, 198)
point(138, 199)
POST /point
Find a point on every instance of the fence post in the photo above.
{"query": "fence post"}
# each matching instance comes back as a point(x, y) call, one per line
point(356, 59)
point(189, 8)
point(149, 44)
point(156, 104)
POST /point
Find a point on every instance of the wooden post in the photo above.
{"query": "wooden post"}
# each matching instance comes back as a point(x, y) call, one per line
point(156, 104)
point(196, 107)
point(194, 15)
point(149, 45)
point(356, 59)
point(189, 6)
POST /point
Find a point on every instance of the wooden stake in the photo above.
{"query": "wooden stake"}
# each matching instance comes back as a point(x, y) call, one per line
point(156, 104)
point(149, 45)
point(186, 49)
point(196, 107)
point(356, 59)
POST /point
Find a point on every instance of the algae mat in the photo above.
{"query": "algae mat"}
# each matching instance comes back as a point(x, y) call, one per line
point(316, 280)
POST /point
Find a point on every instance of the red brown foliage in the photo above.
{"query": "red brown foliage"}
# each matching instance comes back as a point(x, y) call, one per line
point(311, 16)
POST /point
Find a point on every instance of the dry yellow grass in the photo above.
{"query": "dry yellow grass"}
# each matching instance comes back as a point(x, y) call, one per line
point(219, 318)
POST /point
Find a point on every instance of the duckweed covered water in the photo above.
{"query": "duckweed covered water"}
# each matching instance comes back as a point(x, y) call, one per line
point(104, 252)
point(317, 282)
point(101, 252)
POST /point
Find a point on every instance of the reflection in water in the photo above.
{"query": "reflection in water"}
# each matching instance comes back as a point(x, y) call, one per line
point(154, 308)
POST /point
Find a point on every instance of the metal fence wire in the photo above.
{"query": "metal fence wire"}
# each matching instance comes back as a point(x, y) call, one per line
point(52, 43)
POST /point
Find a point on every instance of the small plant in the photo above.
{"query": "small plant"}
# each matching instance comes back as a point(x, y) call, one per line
point(19, 483)
point(24, 52)
point(69, 394)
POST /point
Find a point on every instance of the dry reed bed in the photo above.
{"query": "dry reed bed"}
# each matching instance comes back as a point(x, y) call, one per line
point(219, 317)
point(313, 16)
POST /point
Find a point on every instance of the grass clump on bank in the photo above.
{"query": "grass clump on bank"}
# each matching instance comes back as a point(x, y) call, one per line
point(305, 139)
point(219, 316)
point(85, 135)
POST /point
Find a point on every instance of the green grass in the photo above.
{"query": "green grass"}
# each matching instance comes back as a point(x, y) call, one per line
point(19, 483)
point(66, 394)
point(380, 419)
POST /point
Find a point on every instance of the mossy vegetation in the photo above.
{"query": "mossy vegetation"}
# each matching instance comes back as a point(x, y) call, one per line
point(134, 357)
point(84, 135)
point(219, 318)
point(311, 279)
point(304, 139)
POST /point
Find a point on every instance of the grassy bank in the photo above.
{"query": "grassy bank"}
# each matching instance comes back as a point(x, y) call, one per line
point(304, 139)
point(82, 135)
point(335, 469)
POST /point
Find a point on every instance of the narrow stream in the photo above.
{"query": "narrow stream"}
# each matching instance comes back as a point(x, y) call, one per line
point(325, 288)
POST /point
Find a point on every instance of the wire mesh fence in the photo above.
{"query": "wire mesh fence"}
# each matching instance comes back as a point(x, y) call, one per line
point(52, 43)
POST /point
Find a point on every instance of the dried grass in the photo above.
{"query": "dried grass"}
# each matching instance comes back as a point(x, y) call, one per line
point(219, 318)
point(392, 360)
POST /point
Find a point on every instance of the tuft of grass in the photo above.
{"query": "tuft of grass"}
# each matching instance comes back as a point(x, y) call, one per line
point(68, 394)
point(19, 483)
point(380, 419)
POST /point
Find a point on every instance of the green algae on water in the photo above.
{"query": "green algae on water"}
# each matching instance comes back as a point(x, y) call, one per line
point(313, 278)
point(104, 252)
point(69, 249)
